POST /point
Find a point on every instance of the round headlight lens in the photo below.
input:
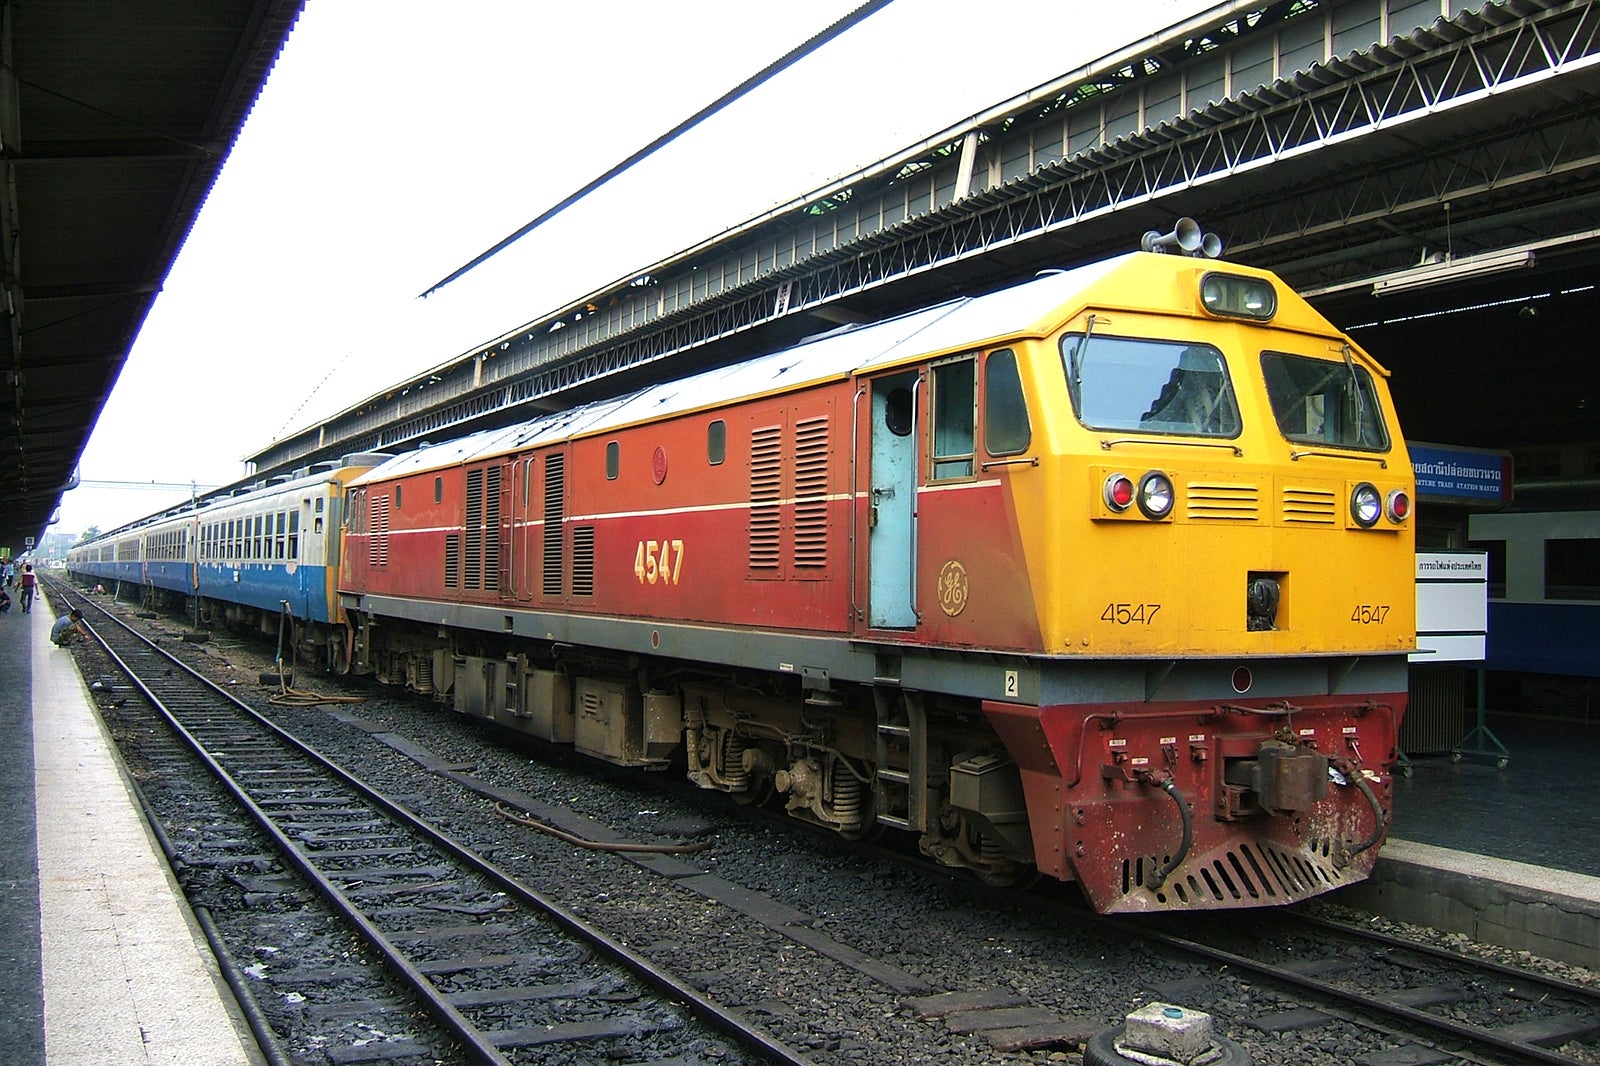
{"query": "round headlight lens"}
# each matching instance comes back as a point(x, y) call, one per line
point(1155, 495)
point(1118, 492)
point(1366, 506)
point(1398, 506)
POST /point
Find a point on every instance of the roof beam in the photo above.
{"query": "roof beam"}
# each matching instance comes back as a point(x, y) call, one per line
point(91, 290)
point(145, 148)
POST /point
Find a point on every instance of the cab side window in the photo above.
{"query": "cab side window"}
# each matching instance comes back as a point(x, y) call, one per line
point(1006, 430)
point(954, 405)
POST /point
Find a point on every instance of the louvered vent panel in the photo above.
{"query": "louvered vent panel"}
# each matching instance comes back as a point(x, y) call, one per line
point(378, 532)
point(491, 529)
point(1309, 506)
point(1215, 501)
point(583, 561)
point(474, 530)
point(382, 531)
point(811, 493)
point(766, 492)
point(452, 560)
point(555, 502)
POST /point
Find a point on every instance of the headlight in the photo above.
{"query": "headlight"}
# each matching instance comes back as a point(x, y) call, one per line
point(1238, 297)
point(1366, 506)
point(1155, 495)
point(1398, 506)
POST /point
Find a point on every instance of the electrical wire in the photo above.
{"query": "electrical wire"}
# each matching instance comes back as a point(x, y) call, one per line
point(766, 73)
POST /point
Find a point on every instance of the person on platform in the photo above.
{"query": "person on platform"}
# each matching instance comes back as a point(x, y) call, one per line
point(69, 629)
point(28, 582)
point(5, 600)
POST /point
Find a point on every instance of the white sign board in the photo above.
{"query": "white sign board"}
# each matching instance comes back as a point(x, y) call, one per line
point(1452, 607)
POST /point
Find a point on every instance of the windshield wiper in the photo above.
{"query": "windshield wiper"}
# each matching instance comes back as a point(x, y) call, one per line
point(1075, 363)
point(1355, 389)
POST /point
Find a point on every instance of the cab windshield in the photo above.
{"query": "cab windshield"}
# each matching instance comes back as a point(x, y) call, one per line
point(1321, 401)
point(1149, 386)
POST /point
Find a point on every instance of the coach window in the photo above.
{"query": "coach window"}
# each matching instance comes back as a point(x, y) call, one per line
point(397, 489)
point(954, 402)
point(1005, 413)
point(1572, 569)
point(717, 442)
point(1496, 550)
point(438, 490)
point(613, 460)
point(294, 534)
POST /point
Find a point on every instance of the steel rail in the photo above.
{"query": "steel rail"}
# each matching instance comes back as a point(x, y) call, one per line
point(1561, 985)
point(750, 1037)
point(1409, 1015)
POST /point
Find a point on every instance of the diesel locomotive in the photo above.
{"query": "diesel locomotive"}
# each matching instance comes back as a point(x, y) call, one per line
point(1105, 576)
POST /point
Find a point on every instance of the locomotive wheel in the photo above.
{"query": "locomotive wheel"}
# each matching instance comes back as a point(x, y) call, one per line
point(757, 794)
point(1008, 875)
point(1101, 1051)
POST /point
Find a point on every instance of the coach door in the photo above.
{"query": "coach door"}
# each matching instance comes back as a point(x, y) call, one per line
point(891, 520)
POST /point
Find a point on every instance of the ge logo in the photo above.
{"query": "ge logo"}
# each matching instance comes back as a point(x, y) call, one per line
point(953, 590)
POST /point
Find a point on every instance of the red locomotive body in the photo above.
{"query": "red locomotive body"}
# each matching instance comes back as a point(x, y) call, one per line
point(912, 575)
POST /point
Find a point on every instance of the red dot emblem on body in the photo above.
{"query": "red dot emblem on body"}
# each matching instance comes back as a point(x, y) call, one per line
point(658, 465)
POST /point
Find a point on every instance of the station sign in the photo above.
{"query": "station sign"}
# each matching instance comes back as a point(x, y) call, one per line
point(1452, 606)
point(1461, 475)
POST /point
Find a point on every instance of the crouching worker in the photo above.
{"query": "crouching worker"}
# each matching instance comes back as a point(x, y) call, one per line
point(69, 629)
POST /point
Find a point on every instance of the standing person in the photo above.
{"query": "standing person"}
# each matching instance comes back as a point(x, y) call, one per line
point(28, 582)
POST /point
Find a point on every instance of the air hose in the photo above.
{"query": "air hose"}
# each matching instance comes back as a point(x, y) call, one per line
point(1170, 788)
point(1379, 821)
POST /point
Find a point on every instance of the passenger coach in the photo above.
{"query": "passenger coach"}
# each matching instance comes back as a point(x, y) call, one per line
point(261, 559)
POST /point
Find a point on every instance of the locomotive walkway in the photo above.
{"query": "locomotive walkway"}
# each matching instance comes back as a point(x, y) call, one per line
point(101, 963)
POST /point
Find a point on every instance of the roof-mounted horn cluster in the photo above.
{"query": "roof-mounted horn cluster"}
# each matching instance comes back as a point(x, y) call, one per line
point(1185, 239)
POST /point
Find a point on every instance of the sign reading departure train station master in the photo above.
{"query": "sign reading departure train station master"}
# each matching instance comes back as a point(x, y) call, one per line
point(1461, 474)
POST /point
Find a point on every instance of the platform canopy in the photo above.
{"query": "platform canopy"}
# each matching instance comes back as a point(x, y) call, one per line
point(115, 119)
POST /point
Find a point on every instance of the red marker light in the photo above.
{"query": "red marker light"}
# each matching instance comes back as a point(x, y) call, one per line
point(1398, 505)
point(1118, 492)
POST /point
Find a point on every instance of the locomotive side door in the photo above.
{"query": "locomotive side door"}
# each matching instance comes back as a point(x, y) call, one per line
point(520, 561)
point(892, 518)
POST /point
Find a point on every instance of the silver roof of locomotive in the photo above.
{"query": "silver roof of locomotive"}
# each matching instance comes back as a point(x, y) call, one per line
point(964, 323)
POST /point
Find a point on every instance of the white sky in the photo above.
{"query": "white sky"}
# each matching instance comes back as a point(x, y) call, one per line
point(396, 139)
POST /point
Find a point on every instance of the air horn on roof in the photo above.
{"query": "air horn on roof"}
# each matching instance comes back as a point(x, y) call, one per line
point(1185, 239)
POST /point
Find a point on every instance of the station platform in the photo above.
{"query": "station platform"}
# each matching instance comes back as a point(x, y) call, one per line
point(1505, 854)
point(103, 963)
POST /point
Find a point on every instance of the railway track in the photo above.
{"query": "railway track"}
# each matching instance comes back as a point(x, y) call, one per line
point(508, 974)
point(1013, 972)
point(1455, 1006)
